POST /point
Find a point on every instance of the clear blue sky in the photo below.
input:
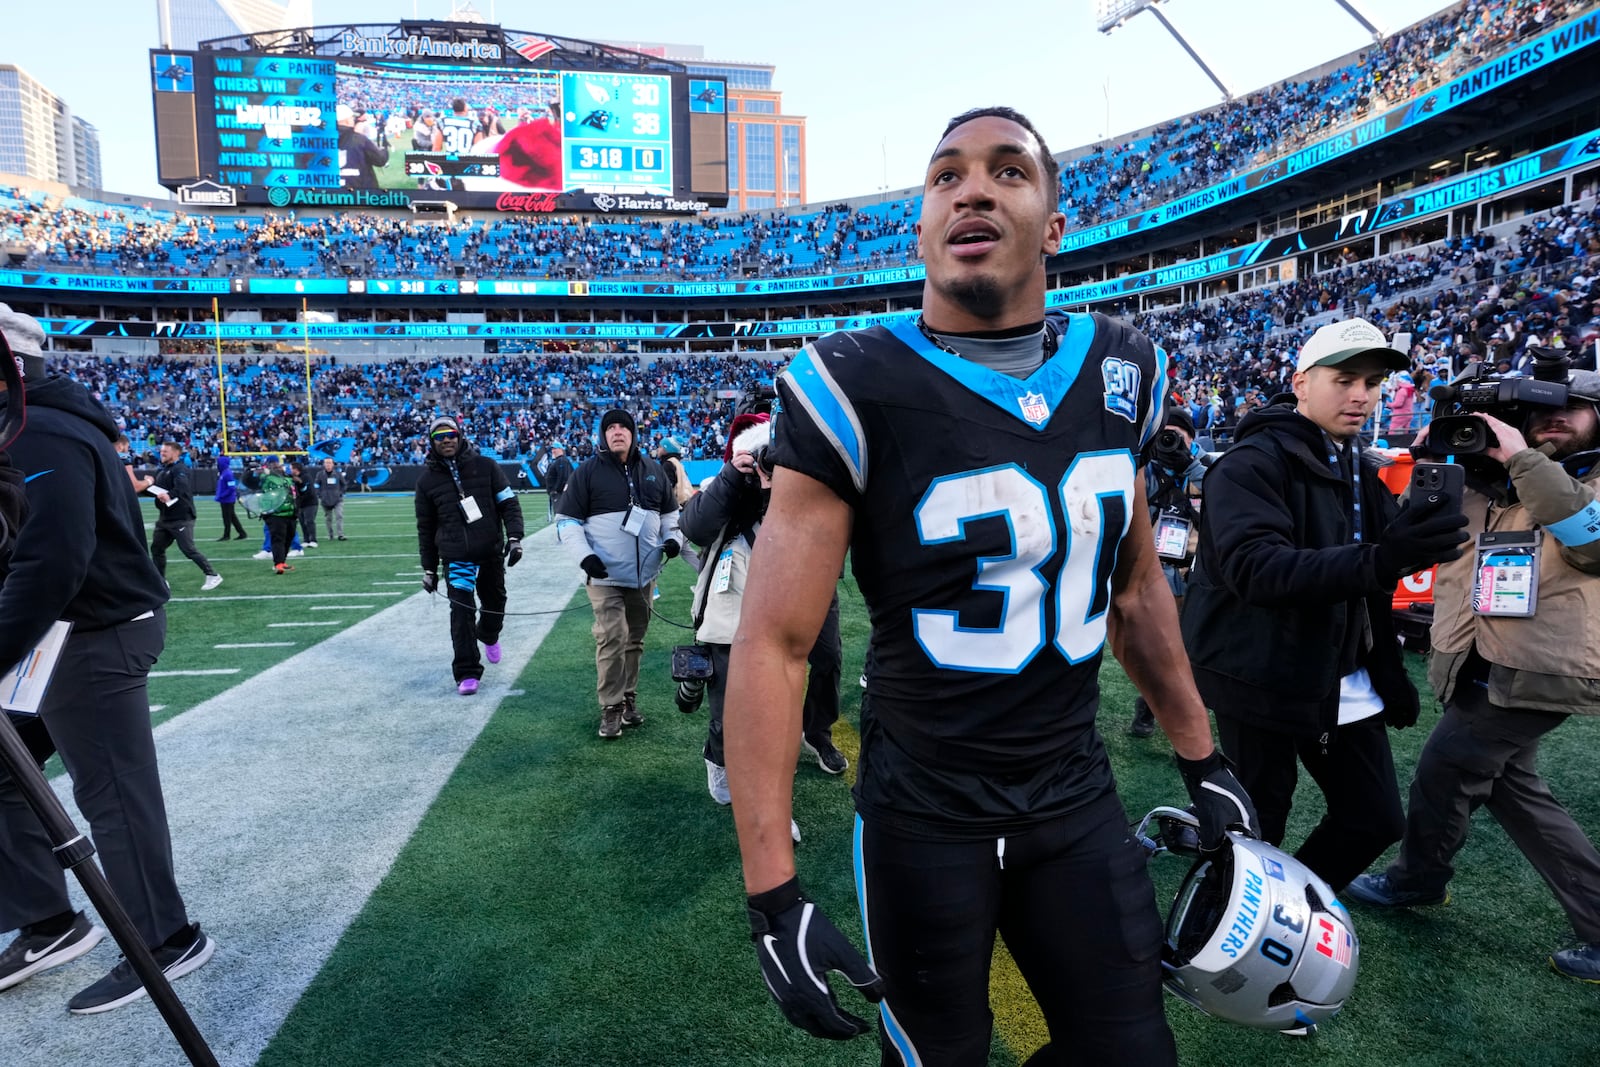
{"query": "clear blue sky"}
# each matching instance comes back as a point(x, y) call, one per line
point(876, 80)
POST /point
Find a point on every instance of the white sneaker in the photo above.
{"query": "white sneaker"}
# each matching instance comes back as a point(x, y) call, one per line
point(211, 582)
point(263, 554)
point(293, 552)
point(717, 783)
point(311, 544)
point(794, 831)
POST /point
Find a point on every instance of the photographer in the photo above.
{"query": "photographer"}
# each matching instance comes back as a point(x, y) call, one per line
point(1506, 680)
point(1172, 476)
point(175, 515)
point(1287, 620)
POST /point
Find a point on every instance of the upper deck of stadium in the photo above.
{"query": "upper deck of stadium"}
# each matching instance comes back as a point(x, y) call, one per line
point(1182, 185)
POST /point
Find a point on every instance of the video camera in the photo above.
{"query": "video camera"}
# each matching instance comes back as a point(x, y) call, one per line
point(1456, 431)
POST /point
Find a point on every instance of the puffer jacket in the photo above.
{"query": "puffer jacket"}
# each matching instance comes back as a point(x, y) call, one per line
point(595, 506)
point(443, 531)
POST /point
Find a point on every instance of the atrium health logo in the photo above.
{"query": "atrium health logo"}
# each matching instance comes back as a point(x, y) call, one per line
point(278, 197)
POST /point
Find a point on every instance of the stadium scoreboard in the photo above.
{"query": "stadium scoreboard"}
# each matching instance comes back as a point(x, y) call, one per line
point(381, 120)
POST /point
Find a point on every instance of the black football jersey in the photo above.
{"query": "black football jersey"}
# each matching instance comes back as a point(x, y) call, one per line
point(989, 514)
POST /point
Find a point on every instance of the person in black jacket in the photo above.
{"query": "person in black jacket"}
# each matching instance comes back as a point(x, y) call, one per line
point(464, 503)
point(81, 557)
point(556, 476)
point(175, 515)
point(305, 501)
point(1287, 620)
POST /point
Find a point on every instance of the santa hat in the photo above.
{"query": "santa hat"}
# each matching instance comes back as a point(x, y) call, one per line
point(748, 433)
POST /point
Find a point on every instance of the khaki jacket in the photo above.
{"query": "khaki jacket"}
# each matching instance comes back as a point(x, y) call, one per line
point(1550, 662)
point(721, 620)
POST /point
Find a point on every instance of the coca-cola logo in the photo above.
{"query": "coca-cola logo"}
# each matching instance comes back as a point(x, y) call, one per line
point(541, 203)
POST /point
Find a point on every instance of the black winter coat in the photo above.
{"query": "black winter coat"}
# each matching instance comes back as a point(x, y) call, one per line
point(1272, 620)
point(443, 531)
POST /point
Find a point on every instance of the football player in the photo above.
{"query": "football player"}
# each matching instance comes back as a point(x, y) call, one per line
point(979, 464)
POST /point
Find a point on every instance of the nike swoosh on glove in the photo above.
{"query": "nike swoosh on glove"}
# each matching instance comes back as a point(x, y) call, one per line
point(1219, 800)
point(797, 946)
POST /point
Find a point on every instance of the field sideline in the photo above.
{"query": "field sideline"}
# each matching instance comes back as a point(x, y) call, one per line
point(397, 875)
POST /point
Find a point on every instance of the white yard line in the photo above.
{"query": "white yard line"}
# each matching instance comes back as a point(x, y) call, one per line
point(259, 644)
point(274, 596)
point(291, 625)
point(342, 607)
point(194, 674)
point(286, 814)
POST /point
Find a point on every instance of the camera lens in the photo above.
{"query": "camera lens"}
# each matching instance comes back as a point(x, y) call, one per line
point(1168, 439)
point(1463, 437)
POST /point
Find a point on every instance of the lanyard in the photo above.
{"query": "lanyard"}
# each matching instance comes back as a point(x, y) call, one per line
point(1355, 480)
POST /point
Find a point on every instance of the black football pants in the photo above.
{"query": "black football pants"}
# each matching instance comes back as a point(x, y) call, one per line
point(821, 707)
point(1078, 913)
point(182, 533)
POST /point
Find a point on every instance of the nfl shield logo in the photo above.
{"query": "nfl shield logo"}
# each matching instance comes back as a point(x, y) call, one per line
point(1034, 409)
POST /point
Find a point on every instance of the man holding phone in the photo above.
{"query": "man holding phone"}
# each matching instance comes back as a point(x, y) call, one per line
point(1287, 619)
point(1509, 669)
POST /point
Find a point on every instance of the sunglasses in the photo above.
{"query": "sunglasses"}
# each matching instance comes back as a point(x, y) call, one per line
point(446, 436)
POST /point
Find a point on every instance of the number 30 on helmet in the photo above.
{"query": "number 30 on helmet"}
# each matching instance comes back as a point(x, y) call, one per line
point(1254, 937)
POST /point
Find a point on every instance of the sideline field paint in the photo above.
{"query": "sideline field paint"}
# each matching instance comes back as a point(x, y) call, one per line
point(273, 596)
point(259, 644)
point(194, 674)
point(343, 607)
point(290, 625)
point(284, 820)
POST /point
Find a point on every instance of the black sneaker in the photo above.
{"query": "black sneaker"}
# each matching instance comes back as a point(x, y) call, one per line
point(611, 721)
point(1581, 963)
point(122, 985)
point(830, 759)
point(30, 953)
point(1144, 720)
point(630, 713)
point(1376, 890)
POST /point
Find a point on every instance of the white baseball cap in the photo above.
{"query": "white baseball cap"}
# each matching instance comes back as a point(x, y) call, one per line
point(1340, 342)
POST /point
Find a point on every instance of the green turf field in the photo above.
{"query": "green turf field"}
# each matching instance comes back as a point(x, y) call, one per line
point(568, 901)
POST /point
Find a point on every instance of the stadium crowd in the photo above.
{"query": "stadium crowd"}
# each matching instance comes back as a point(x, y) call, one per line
point(1105, 181)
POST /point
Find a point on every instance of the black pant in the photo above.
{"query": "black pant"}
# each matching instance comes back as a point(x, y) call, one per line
point(1355, 772)
point(821, 708)
point(1481, 753)
point(1077, 910)
point(280, 530)
point(230, 520)
point(468, 585)
point(183, 533)
point(308, 523)
point(96, 713)
point(716, 688)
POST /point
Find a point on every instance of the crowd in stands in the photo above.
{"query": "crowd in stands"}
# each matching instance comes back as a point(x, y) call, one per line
point(1469, 298)
point(1466, 298)
point(1108, 181)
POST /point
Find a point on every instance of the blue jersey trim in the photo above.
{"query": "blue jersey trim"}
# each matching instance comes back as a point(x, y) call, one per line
point(1051, 381)
point(1577, 530)
point(891, 1026)
point(505, 494)
point(817, 391)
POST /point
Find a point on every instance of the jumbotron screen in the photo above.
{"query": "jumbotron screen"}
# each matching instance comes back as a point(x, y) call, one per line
point(318, 130)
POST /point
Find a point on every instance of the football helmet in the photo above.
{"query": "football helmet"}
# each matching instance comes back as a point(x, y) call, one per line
point(1254, 936)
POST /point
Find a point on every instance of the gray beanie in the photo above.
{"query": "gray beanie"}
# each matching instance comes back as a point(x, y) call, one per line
point(26, 338)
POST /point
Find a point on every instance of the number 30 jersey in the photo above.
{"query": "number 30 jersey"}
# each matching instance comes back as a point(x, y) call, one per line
point(989, 515)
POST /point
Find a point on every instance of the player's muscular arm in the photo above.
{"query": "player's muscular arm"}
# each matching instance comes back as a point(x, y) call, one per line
point(798, 556)
point(1142, 627)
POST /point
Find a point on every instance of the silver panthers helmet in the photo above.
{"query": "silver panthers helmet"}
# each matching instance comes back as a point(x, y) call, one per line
point(1255, 938)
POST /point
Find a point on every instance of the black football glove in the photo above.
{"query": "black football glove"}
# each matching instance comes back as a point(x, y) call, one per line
point(513, 552)
point(797, 946)
point(593, 567)
point(430, 581)
point(671, 549)
point(1418, 538)
point(1219, 800)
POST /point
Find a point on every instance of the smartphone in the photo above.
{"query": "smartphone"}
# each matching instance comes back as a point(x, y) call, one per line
point(1438, 485)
